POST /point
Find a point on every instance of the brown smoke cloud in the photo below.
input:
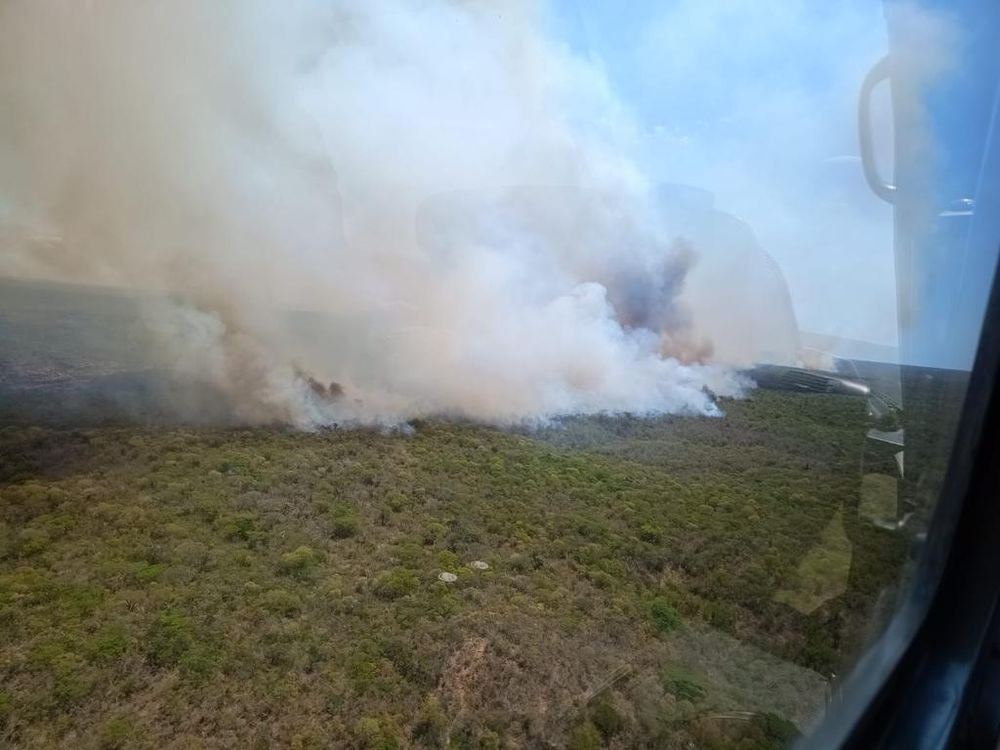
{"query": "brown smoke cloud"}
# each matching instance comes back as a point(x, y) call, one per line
point(271, 175)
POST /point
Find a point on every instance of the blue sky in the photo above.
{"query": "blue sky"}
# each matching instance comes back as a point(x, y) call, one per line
point(756, 101)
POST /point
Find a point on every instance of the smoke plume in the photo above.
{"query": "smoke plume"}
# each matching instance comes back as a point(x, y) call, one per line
point(279, 180)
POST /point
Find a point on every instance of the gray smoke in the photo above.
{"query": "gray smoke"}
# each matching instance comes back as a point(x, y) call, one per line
point(240, 160)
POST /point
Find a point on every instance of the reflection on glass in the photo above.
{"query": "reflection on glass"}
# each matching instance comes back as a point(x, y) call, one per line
point(386, 375)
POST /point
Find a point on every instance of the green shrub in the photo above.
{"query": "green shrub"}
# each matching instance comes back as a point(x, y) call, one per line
point(589, 554)
point(448, 560)
point(299, 562)
point(584, 737)
point(651, 533)
point(114, 734)
point(306, 741)
point(198, 661)
point(607, 719)
point(392, 584)
point(146, 573)
point(282, 602)
point(464, 737)
point(344, 527)
point(193, 553)
point(520, 563)
point(433, 532)
point(396, 500)
point(407, 661)
point(431, 727)
point(410, 552)
point(108, 644)
point(372, 734)
point(169, 638)
point(601, 579)
point(613, 567)
point(31, 542)
point(682, 684)
point(592, 530)
point(72, 682)
point(778, 732)
point(240, 527)
point(665, 617)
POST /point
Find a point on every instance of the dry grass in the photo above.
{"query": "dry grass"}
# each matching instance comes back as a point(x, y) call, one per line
point(169, 588)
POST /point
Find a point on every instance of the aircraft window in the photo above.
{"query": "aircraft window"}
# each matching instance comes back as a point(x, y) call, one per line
point(472, 375)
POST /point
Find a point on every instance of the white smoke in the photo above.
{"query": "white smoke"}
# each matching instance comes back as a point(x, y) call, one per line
point(250, 157)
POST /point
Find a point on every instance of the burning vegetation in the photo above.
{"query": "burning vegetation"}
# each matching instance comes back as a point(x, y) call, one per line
point(332, 391)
